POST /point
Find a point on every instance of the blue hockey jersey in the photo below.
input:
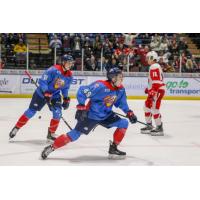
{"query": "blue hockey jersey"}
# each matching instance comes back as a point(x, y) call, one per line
point(55, 80)
point(102, 97)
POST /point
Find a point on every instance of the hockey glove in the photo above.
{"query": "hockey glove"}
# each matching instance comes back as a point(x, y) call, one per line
point(151, 93)
point(146, 91)
point(131, 116)
point(47, 96)
point(81, 113)
point(66, 102)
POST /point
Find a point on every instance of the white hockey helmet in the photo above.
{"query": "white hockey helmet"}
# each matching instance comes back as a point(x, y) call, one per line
point(152, 55)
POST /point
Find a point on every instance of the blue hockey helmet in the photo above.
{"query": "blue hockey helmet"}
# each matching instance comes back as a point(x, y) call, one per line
point(111, 73)
point(67, 58)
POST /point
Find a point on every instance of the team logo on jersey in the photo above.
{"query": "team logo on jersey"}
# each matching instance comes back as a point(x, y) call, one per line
point(109, 100)
point(59, 83)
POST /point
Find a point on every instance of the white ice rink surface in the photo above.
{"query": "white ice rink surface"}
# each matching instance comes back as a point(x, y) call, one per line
point(180, 145)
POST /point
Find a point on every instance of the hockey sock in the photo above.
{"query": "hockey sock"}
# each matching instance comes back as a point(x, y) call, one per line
point(61, 141)
point(54, 125)
point(157, 118)
point(119, 135)
point(148, 117)
point(22, 121)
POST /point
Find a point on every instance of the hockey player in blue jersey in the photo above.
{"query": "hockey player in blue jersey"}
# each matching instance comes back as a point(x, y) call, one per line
point(102, 96)
point(54, 81)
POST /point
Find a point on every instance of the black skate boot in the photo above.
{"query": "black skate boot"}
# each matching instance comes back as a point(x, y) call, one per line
point(51, 136)
point(13, 132)
point(147, 129)
point(158, 131)
point(47, 150)
point(114, 153)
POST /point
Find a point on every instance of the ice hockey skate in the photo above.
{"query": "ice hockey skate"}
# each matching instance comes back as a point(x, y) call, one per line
point(158, 131)
point(13, 132)
point(47, 150)
point(51, 137)
point(146, 129)
point(114, 153)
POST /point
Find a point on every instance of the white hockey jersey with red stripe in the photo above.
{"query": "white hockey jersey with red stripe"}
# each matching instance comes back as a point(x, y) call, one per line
point(155, 78)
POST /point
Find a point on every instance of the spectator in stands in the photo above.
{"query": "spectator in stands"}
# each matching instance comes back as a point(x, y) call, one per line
point(129, 39)
point(166, 67)
point(90, 64)
point(20, 47)
point(55, 42)
point(155, 44)
point(142, 52)
point(97, 47)
point(66, 44)
point(182, 45)
point(173, 47)
point(20, 51)
point(163, 45)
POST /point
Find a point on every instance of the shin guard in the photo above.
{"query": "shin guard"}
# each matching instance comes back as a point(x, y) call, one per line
point(119, 135)
point(61, 141)
point(54, 125)
point(22, 121)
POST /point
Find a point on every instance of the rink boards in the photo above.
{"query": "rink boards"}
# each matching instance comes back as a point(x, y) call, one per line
point(177, 88)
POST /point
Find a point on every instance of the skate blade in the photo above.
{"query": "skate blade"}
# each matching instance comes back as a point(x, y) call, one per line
point(116, 157)
point(157, 134)
point(145, 132)
point(10, 140)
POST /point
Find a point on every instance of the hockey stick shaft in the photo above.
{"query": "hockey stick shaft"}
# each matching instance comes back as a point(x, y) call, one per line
point(29, 75)
point(137, 120)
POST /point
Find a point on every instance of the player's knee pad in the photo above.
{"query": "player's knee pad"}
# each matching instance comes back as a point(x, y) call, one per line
point(57, 113)
point(74, 134)
point(30, 113)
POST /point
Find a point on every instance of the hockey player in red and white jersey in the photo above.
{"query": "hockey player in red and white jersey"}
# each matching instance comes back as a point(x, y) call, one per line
point(156, 92)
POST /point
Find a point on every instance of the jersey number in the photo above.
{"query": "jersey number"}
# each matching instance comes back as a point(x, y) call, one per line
point(155, 74)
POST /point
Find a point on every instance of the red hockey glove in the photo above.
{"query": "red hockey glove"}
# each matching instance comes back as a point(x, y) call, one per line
point(151, 93)
point(146, 91)
point(66, 102)
point(131, 116)
point(47, 96)
point(81, 113)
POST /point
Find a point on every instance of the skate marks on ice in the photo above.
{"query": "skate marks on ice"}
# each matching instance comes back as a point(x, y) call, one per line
point(17, 153)
point(35, 142)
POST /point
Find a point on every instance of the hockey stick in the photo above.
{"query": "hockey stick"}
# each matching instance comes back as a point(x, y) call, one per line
point(126, 117)
point(29, 75)
point(137, 120)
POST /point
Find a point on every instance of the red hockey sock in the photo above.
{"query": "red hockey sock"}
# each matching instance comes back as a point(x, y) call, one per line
point(54, 125)
point(119, 135)
point(61, 141)
point(22, 121)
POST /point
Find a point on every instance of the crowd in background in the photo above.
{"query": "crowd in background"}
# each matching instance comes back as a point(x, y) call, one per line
point(128, 51)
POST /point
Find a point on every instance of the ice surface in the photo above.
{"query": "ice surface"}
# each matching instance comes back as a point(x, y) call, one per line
point(179, 146)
